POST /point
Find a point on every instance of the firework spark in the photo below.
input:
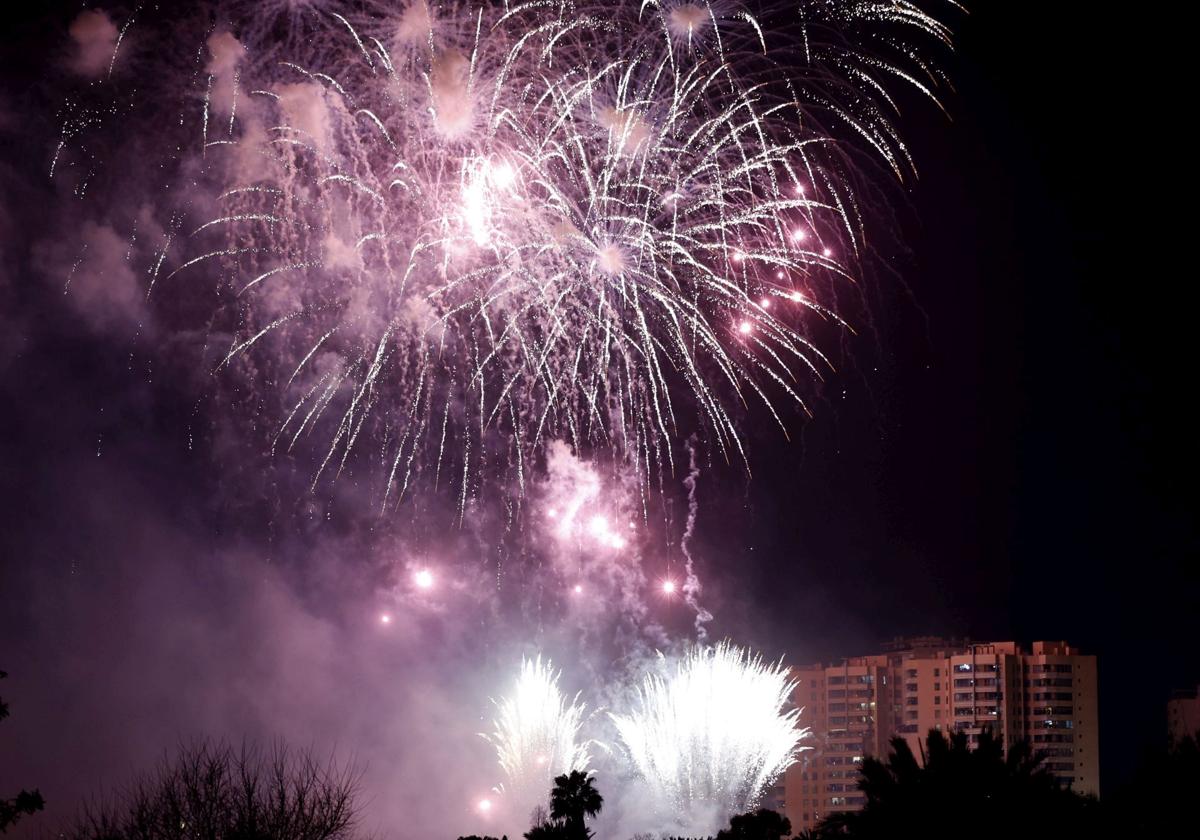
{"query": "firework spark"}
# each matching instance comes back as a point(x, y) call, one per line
point(536, 734)
point(712, 735)
point(462, 230)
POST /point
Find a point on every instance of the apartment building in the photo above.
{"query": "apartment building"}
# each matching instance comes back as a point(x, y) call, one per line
point(1045, 694)
point(1183, 714)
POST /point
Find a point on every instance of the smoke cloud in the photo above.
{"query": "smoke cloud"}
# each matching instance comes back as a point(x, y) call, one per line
point(98, 280)
point(226, 53)
point(94, 38)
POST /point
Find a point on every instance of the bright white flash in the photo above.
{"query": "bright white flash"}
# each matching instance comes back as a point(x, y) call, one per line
point(503, 175)
point(485, 184)
point(536, 734)
point(712, 733)
point(585, 518)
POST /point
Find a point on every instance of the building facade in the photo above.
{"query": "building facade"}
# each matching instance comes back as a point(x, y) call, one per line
point(1183, 714)
point(1045, 694)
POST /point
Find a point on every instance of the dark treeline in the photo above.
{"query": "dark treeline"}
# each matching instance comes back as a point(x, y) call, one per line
point(952, 790)
point(213, 791)
point(26, 802)
point(955, 790)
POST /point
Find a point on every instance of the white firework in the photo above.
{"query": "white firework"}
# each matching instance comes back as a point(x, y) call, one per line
point(536, 734)
point(713, 733)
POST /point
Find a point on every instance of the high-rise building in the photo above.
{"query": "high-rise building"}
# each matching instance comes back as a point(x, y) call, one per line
point(1183, 714)
point(1045, 695)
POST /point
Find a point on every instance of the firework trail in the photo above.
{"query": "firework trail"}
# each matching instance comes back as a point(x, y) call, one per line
point(711, 735)
point(536, 734)
point(459, 230)
point(691, 584)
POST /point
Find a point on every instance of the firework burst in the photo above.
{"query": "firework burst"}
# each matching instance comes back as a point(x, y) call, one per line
point(713, 733)
point(536, 734)
point(459, 230)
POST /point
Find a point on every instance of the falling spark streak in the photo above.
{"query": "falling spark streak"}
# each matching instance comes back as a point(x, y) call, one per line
point(714, 732)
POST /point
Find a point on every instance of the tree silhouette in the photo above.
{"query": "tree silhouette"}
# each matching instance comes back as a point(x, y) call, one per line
point(24, 803)
point(1159, 800)
point(573, 798)
point(959, 791)
point(550, 831)
point(214, 791)
point(763, 824)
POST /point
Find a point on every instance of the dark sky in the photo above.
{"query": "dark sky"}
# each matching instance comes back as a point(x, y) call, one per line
point(1014, 457)
point(1007, 453)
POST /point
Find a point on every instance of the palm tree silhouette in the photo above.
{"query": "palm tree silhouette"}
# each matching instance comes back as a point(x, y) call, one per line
point(957, 784)
point(763, 824)
point(574, 797)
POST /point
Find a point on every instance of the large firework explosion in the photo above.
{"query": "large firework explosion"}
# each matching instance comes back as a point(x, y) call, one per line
point(449, 232)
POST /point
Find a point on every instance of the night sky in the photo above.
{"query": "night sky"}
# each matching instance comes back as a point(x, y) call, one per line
point(1004, 453)
point(1019, 465)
